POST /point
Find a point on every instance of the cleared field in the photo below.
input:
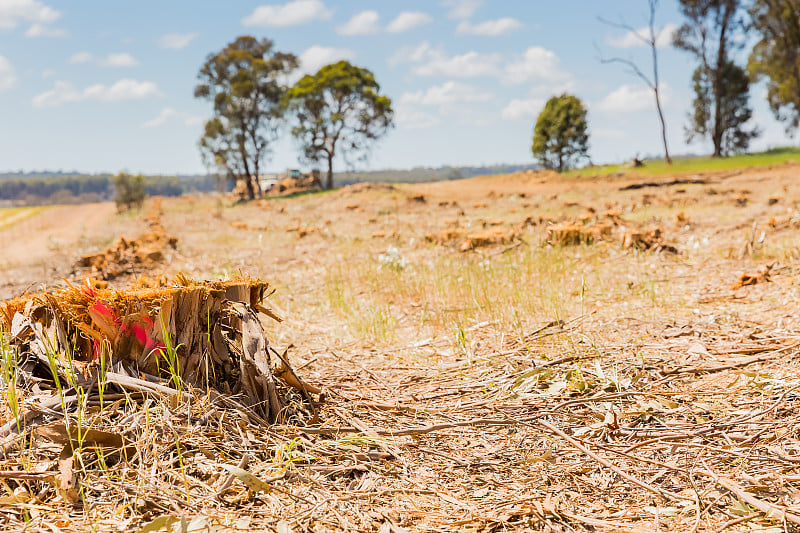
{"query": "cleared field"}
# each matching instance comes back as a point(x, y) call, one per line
point(539, 383)
point(13, 215)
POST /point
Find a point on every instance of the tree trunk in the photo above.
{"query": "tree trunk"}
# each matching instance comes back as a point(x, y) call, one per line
point(653, 47)
point(716, 132)
point(717, 81)
point(256, 177)
point(667, 158)
point(248, 177)
point(329, 183)
point(251, 193)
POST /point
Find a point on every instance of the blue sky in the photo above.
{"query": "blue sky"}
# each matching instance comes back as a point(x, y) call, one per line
point(103, 86)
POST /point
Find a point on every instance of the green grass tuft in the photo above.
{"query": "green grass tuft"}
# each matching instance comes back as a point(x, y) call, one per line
point(773, 156)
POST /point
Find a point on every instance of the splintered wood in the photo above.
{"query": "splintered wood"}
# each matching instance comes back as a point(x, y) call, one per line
point(209, 334)
point(129, 256)
point(651, 239)
point(761, 276)
point(489, 238)
point(572, 234)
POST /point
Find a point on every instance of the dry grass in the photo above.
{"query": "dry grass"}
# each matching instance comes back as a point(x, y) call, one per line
point(522, 386)
point(14, 215)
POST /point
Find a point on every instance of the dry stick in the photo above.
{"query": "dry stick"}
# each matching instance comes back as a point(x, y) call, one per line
point(770, 510)
point(28, 416)
point(140, 385)
point(736, 521)
point(473, 422)
point(577, 444)
point(229, 402)
point(710, 427)
point(26, 474)
point(304, 388)
point(615, 526)
point(735, 364)
point(227, 483)
point(699, 514)
point(51, 403)
point(507, 248)
point(390, 449)
point(416, 431)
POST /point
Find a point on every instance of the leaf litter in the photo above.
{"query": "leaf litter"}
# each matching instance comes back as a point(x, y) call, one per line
point(686, 426)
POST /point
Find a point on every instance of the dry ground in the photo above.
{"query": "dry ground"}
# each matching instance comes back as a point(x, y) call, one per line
point(521, 386)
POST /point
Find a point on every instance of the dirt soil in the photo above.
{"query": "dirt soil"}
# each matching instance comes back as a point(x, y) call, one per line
point(518, 386)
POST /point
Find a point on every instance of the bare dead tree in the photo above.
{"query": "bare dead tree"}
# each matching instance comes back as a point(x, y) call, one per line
point(651, 40)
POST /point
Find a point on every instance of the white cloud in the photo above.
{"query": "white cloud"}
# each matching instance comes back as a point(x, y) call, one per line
point(408, 20)
point(41, 30)
point(126, 89)
point(119, 60)
point(541, 69)
point(13, 12)
point(168, 113)
point(451, 98)
point(176, 41)
point(316, 57)
point(364, 23)
point(633, 98)
point(535, 64)
point(62, 93)
point(81, 57)
point(39, 15)
point(292, 13)
point(410, 54)
point(641, 36)
point(413, 119)
point(111, 60)
point(461, 9)
point(8, 76)
point(490, 28)
point(467, 65)
point(448, 93)
point(523, 108)
point(436, 62)
point(48, 73)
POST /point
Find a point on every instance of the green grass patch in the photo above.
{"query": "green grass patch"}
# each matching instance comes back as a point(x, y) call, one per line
point(699, 164)
point(13, 215)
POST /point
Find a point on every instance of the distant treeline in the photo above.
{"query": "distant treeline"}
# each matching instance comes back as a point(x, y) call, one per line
point(75, 188)
point(421, 174)
point(59, 188)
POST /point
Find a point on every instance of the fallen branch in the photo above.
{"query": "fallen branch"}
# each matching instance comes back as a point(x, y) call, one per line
point(577, 444)
point(27, 417)
point(439, 427)
point(770, 510)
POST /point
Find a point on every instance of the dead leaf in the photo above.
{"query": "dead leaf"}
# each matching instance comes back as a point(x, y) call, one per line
point(22, 498)
point(250, 481)
point(162, 522)
point(74, 436)
point(283, 527)
point(66, 476)
point(699, 349)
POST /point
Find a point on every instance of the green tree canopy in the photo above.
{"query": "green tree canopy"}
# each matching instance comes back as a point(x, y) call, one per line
point(732, 101)
point(339, 110)
point(776, 56)
point(713, 30)
point(243, 81)
point(129, 191)
point(560, 137)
